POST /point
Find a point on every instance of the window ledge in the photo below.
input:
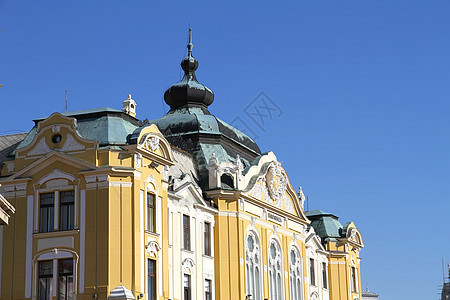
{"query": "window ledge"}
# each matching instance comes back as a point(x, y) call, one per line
point(56, 233)
point(208, 256)
point(155, 234)
point(188, 251)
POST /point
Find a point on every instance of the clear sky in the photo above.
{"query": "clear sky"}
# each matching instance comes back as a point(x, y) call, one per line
point(363, 87)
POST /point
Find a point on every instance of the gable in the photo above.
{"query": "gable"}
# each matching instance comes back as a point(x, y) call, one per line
point(269, 183)
point(56, 133)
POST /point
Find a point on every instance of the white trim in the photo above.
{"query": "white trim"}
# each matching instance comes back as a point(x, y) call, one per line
point(57, 173)
point(142, 238)
point(82, 238)
point(56, 211)
point(29, 245)
point(36, 209)
point(120, 184)
point(55, 276)
point(75, 204)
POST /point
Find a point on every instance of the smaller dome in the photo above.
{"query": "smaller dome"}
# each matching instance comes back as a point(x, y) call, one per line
point(188, 90)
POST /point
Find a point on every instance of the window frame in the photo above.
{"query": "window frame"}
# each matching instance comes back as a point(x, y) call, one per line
point(187, 290)
point(312, 272)
point(207, 239)
point(295, 274)
point(147, 213)
point(66, 275)
point(325, 275)
point(48, 280)
point(208, 293)
point(48, 207)
point(149, 277)
point(56, 207)
point(253, 274)
point(186, 232)
point(68, 204)
point(353, 278)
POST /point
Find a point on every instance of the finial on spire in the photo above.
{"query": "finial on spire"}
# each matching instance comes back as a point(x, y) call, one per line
point(190, 45)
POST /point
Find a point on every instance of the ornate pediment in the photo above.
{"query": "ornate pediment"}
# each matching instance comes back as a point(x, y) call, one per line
point(59, 133)
point(152, 141)
point(270, 184)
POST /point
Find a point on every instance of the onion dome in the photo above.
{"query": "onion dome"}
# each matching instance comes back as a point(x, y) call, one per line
point(188, 90)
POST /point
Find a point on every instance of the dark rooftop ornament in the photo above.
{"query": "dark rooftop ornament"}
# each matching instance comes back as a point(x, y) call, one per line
point(188, 91)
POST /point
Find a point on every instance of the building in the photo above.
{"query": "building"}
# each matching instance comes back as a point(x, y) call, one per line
point(368, 295)
point(182, 207)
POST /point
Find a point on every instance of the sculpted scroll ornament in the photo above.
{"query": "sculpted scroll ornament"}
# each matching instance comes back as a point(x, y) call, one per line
point(153, 143)
point(152, 248)
point(276, 183)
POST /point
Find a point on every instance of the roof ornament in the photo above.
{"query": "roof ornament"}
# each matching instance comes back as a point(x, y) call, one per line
point(189, 92)
point(190, 45)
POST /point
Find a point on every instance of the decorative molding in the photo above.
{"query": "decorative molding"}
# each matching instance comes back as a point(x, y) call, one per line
point(40, 148)
point(153, 248)
point(152, 143)
point(188, 265)
point(137, 160)
point(56, 173)
point(71, 144)
point(276, 183)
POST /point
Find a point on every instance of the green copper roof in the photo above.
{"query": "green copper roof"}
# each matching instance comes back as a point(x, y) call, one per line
point(326, 225)
point(106, 125)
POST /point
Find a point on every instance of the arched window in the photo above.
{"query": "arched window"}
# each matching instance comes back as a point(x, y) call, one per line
point(295, 274)
point(275, 271)
point(253, 266)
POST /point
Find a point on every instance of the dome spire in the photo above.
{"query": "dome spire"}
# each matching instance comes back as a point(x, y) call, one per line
point(189, 91)
point(190, 45)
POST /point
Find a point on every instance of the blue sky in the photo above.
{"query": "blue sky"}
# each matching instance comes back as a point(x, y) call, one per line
point(363, 87)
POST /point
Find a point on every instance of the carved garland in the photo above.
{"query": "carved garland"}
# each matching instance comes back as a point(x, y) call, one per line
point(276, 183)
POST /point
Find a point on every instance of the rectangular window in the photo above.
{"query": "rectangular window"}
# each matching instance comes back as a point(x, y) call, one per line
point(151, 272)
point(207, 237)
point(45, 280)
point(150, 212)
point(66, 210)
point(353, 274)
point(324, 275)
point(187, 287)
point(208, 295)
point(46, 212)
point(65, 283)
point(187, 232)
point(312, 272)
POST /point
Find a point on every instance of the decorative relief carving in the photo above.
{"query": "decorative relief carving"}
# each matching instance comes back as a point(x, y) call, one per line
point(153, 143)
point(137, 160)
point(267, 198)
point(276, 183)
point(71, 144)
point(288, 204)
point(314, 296)
point(241, 204)
point(165, 173)
point(153, 248)
point(40, 148)
point(188, 265)
point(256, 192)
point(56, 128)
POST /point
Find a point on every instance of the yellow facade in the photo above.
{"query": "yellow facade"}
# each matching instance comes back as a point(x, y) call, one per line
point(97, 215)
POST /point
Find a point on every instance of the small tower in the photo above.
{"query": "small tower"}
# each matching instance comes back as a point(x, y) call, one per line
point(129, 106)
